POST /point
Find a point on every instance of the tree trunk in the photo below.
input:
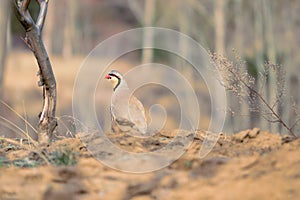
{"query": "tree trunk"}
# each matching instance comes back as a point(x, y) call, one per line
point(259, 59)
point(271, 55)
point(4, 19)
point(220, 26)
point(242, 107)
point(183, 46)
point(291, 100)
point(238, 21)
point(47, 120)
point(69, 29)
point(148, 35)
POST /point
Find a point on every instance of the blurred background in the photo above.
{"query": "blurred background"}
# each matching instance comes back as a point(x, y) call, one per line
point(258, 30)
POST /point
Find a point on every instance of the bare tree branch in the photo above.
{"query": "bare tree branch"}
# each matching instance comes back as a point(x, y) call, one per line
point(270, 120)
point(26, 21)
point(42, 15)
point(25, 5)
point(47, 120)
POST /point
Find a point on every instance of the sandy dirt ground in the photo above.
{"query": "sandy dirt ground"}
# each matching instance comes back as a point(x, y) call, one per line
point(248, 165)
point(251, 164)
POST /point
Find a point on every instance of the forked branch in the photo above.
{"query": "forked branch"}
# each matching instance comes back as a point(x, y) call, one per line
point(47, 120)
point(42, 14)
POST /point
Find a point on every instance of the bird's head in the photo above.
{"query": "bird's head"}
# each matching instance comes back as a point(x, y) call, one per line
point(115, 78)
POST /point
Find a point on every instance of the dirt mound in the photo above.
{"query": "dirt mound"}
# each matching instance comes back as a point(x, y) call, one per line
point(252, 164)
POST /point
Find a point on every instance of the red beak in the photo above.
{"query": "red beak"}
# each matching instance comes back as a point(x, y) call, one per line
point(107, 76)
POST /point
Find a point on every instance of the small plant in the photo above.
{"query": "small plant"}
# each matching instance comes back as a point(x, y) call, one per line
point(63, 157)
point(188, 164)
point(236, 79)
point(2, 159)
point(10, 147)
point(26, 162)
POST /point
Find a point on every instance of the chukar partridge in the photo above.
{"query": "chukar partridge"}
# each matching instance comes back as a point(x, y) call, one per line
point(128, 114)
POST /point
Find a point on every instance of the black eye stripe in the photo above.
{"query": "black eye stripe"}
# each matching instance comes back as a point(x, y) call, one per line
point(114, 76)
point(119, 79)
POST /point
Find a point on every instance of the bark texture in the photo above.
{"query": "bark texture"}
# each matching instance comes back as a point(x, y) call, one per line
point(33, 38)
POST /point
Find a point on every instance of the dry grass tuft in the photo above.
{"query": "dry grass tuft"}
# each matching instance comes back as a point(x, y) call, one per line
point(236, 79)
